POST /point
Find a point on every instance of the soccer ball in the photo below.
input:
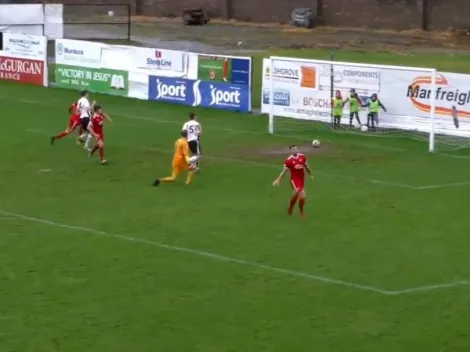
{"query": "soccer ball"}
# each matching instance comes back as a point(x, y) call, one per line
point(364, 128)
point(315, 143)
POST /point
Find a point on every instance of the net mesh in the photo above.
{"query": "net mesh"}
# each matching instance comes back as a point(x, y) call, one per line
point(303, 91)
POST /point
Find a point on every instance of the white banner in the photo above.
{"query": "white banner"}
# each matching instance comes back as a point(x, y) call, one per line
point(118, 57)
point(138, 85)
point(362, 79)
point(404, 93)
point(291, 74)
point(78, 53)
point(34, 29)
point(157, 60)
point(25, 46)
point(54, 21)
point(21, 14)
point(132, 59)
point(30, 19)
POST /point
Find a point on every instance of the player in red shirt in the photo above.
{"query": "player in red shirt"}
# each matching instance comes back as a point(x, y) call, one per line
point(74, 122)
point(95, 127)
point(297, 164)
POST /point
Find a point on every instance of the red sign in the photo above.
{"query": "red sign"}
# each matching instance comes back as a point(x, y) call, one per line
point(22, 70)
point(158, 54)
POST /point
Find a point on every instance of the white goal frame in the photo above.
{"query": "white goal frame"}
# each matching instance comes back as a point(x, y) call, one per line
point(431, 71)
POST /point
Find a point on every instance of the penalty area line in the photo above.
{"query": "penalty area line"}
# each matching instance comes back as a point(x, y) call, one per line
point(242, 161)
point(277, 166)
point(430, 287)
point(210, 127)
point(444, 185)
point(200, 253)
point(223, 258)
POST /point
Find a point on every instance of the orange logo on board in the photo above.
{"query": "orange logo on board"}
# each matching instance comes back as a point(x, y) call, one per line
point(419, 92)
point(309, 77)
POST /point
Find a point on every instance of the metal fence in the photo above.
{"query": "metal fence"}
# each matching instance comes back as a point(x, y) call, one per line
point(97, 21)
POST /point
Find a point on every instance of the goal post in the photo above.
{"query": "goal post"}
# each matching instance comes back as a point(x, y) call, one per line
point(420, 102)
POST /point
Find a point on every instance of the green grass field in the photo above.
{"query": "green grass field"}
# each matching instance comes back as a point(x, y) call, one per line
point(95, 259)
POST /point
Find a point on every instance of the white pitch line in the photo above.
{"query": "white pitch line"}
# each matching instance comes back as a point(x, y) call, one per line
point(429, 287)
point(454, 156)
point(163, 121)
point(260, 164)
point(201, 253)
point(444, 185)
point(172, 122)
point(224, 258)
point(318, 172)
point(277, 166)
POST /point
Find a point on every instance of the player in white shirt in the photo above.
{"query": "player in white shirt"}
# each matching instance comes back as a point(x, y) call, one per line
point(85, 109)
point(194, 129)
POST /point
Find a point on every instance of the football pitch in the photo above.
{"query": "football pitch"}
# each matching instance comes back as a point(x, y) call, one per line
point(95, 259)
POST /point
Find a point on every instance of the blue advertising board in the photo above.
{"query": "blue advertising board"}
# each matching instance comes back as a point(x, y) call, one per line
point(241, 71)
point(281, 97)
point(209, 94)
point(170, 90)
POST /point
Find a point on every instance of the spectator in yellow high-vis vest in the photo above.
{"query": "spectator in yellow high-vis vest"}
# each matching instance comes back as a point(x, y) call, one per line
point(355, 103)
point(338, 105)
point(374, 105)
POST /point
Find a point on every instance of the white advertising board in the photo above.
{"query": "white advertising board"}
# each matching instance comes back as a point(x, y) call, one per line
point(24, 46)
point(142, 61)
point(33, 19)
point(54, 21)
point(78, 53)
point(118, 57)
point(26, 14)
point(405, 94)
point(158, 60)
point(34, 29)
point(23, 59)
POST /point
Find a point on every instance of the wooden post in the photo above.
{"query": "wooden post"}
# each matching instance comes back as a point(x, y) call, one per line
point(139, 7)
point(319, 13)
point(227, 9)
point(424, 8)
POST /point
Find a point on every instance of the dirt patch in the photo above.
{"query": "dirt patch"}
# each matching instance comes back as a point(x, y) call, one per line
point(266, 36)
point(245, 37)
point(278, 151)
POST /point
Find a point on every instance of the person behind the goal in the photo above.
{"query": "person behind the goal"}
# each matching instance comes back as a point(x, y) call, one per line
point(374, 105)
point(338, 106)
point(355, 103)
point(194, 131)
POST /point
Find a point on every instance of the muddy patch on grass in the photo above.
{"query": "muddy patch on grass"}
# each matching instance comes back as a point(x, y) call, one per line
point(277, 151)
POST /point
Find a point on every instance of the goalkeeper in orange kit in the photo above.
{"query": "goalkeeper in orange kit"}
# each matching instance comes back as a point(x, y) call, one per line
point(181, 161)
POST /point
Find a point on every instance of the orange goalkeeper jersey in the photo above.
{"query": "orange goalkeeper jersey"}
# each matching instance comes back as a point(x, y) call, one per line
point(181, 156)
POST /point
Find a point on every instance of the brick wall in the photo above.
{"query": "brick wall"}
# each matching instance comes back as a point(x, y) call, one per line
point(397, 14)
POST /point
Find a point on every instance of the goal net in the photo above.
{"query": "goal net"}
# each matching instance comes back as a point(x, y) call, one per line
point(299, 96)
